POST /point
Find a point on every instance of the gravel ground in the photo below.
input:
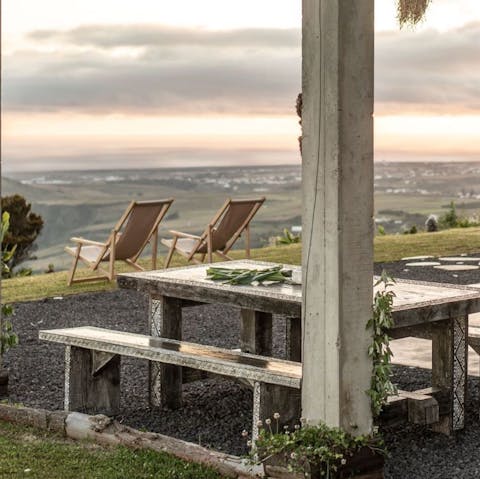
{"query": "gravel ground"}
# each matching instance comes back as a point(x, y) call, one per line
point(399, 269)
point(216, 411)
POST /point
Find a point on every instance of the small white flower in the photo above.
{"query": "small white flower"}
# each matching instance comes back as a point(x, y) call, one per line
point(343, 461)
point(259, 423)
point(276, 415)
point(297, 427)
point(27, 470)
point(293, 455)
point(244, 433)
point(268, 421)
point(285, 427)
point(249, 443)
point(375, 430)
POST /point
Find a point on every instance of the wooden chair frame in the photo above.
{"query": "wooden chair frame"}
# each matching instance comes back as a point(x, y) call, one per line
point(109, 246)
point(208, 236)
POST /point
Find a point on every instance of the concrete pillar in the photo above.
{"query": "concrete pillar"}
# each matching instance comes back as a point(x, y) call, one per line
point(338, 48)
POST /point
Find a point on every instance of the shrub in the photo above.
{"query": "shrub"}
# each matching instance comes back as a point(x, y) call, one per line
point(319, 449)
point(431, 225)
point(25, 226)
point(450, 218)
point(288, 238)
point(467, 223)
point(412, 231)
point(50, 268)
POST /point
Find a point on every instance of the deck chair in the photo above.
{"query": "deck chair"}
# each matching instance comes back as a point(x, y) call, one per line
point(137, 226)
point(221, 233)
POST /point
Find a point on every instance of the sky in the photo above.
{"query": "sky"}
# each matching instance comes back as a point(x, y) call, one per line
point(155, 83)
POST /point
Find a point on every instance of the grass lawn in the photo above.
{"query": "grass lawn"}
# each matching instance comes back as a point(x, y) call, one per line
point(387, 248)
point(28, 452)
point(449, 242)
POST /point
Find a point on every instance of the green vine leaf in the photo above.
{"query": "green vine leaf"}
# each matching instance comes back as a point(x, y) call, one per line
point(382, 319)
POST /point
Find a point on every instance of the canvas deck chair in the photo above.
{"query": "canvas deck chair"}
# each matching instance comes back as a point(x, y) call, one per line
point(221, 233)
point(137, 226)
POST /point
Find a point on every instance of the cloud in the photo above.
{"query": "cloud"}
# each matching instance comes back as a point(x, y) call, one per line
point(175, 70)
point(429, 68)
point(156, 69)
point(149, 35)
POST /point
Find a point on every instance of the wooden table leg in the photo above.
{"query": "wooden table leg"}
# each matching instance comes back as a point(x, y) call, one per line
point(256, 332)
point(294, 339)
point(449, 369)
point(165, 380)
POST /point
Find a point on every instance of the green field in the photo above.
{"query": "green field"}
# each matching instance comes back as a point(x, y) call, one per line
point(91, 211)
point(88, 204)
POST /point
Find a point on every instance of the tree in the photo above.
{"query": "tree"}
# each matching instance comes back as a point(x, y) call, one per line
point(450, 219)
point(25, 226)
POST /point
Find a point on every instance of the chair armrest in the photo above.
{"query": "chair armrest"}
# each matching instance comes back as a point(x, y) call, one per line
point(87, 242)
point(179, 234)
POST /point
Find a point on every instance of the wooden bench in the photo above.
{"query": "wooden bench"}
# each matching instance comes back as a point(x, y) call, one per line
point(92, 374)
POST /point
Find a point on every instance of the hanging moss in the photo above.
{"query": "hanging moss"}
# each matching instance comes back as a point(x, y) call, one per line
point(410, 12)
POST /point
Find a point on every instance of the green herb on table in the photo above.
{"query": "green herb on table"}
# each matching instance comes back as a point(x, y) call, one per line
point(275, 274)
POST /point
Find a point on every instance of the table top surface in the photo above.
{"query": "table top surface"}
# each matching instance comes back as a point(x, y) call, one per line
point(191, 282)
point(196, 276)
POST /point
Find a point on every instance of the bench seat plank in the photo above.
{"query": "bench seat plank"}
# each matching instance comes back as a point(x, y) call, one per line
point(180, 353)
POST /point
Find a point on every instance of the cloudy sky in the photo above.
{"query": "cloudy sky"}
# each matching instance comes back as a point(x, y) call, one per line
point(145, 83)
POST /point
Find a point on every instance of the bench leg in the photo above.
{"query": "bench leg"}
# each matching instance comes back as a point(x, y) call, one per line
point(165, 380)
point(269, 399)
point(294, 339)
point(256, 332)
point(449, 369)
point(92, 385)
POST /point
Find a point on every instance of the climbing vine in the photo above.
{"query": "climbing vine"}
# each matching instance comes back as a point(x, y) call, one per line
point(381, 321)
point(8, 338)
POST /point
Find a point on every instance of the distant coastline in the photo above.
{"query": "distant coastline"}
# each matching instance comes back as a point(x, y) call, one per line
point(17, 173)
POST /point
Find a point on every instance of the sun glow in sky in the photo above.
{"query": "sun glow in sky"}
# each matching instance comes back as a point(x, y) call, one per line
point(98, 78)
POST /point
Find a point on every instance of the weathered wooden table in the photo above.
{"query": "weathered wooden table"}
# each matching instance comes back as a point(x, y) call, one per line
point(420, 309)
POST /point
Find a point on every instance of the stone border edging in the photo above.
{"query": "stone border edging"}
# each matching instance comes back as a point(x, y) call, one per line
point(105, 430)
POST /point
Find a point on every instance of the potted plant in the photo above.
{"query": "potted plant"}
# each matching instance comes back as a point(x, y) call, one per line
point(316, 451)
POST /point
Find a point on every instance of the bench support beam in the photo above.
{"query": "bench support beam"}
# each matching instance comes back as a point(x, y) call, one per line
point(269, 399)
point(422, 408)
point(165, 380)
point(88, 388)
